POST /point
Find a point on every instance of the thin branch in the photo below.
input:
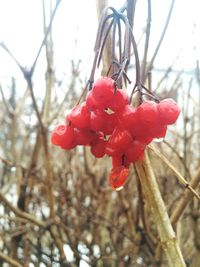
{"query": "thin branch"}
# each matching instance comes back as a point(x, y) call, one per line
point(161, 37)
point(146, 46)
point(20, 213)
point(185, 199)
point(46, 35)
point(181, 179)
point(10, 260)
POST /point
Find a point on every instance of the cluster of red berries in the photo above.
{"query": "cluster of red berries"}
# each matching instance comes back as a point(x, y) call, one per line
point(111, 126)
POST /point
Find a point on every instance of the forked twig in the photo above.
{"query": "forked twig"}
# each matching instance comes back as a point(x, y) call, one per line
point(181, 179)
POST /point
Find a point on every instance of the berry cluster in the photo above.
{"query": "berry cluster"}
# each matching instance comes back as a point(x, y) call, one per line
point(111, 126)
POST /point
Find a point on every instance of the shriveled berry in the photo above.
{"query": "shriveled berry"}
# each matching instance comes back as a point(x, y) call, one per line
point(118, 177)
point(62, 135)
point(80, 116)
point(168, 111)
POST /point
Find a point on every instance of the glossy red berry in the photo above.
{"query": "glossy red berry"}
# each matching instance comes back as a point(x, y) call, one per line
point(127, 117)
point(119, 101)
point(135, 151)
point(158, 132)
point(98, 120)
point(103, 90)
point(119, 140)
point(168, 111)
point(147, 114)
point(90, 102)
point(119, 160)
point(111, 122)
point(62, 135)
point(84, 136)
point(80, 116)
point(118, 177)
point(98, 148)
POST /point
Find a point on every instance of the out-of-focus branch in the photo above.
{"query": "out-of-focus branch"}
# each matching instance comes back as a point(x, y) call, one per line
point(181, 179)
point(20, 213)
point(146, 46)
point(100, 6)
point(10, 260)
point(46, 34)
point(50, 67)
point(185, 199)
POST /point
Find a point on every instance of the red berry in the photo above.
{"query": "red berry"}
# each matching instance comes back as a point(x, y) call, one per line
point(110, 151)
point(117, 160)
point(158, 132)
point(62, 135)
point(168, 111)
point(120, 160)
point(80, 116)
point(69, 146)
point(147, 114)
point(127, 117)
point(119, 101)
point(90, 102)
point(98, 120)
point(111, 122)
point(84, 136)
point(135, 151)
point(103, 90)
point(98, 148)
point(118, 177)
point(119, 140)
point(145, 139)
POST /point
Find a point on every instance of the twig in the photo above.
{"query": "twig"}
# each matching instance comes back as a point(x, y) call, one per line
point(185, 199)
point(10, 260)
point(20, 213)
point(146, 46)
point(181, 179)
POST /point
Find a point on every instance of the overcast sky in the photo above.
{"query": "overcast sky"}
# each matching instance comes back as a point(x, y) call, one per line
point(21, 29)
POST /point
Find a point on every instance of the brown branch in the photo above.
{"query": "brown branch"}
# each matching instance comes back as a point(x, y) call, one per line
point(185, 199)
point(146, 46)
point(20, 213)
point(9, 260)
point(181, 179)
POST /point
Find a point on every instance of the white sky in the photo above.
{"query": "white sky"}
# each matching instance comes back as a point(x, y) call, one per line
point(21, 30)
